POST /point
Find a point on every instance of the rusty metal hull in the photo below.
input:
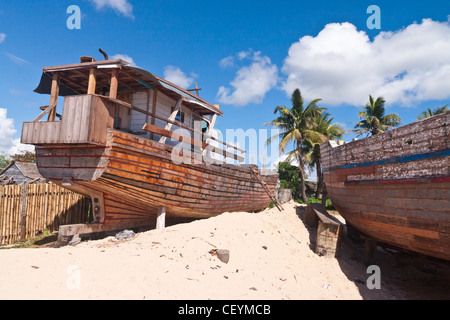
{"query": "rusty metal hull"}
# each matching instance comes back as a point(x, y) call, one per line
point(395, 187)
point(130, 178)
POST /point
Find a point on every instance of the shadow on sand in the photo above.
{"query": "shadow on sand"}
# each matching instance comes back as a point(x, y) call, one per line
point(404, 275)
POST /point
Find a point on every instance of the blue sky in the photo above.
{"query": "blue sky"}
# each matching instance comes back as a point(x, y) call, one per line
point(247, 56)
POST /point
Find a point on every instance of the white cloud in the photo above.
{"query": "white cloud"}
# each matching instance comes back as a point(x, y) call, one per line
point(16, 59)
point(227, 62)
point(8, 144)
point(252, 82)
point(342, 66)
point(2, 37)
point(177, 76)
point(121, 6)
point(126, 58)
point(17, 92)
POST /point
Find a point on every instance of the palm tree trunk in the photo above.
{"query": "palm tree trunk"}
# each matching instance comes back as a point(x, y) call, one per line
point(301, 166)
point(319, 180)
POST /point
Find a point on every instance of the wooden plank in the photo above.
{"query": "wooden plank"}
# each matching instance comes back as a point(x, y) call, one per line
point(114, 83)
point(328, 230)
point(92, 81)
point(328, 239)
point(54, 96)
point(161, 218)
point(173, 135)
point(50, 108)
point(2, 214)
point(172, 117)
point(23, 211)
point(155, 94)
point(85, 64)
point(70, 230)
point(174, 122)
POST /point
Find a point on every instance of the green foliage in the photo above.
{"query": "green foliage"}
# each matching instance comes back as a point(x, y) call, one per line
point(25, 156)
point(4, 160)
point(328, 204)
point(296, 124)
point(429, 113)
point(373, 119)
point(290, 177)
point(45, 238)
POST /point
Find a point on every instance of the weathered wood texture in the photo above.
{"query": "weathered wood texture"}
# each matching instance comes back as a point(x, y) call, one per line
point(329, 230)
point(283, 195)
point(395, 187)
point(137, 176)
point(85, 119)
point(47, 206)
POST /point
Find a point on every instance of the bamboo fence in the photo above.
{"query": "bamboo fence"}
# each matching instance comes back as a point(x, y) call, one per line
point(27, 210)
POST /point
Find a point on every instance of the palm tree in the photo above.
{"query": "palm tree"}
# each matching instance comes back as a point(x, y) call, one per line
point(429, 113)
point(373, 120)
point(311, 147)
point(297, 125)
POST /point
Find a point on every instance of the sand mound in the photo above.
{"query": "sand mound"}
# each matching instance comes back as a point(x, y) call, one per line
point(269, 258)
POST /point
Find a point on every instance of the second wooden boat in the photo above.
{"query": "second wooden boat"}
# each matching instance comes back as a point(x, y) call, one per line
point(395, 187)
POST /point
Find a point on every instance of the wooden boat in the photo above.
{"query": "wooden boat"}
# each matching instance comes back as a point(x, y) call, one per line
point(395, 187)
point(112, 142)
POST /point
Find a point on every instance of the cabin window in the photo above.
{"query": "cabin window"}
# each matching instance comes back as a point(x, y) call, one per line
point(205, 126)
point(180, 116)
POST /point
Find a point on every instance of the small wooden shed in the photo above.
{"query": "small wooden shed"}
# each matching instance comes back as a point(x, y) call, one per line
point(18, 172)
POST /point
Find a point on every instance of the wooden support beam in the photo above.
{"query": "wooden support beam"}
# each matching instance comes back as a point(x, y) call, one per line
point(155, 95)
point(54, 96)
point(114, 83)
point(172, 118)
point(23, 211)
point(254, 171)
point(92, 81)
point(161, 219)
point(197, 89)
point(46, 110)
point(148, 106)
point(370, 247)
point(173, 135)
point(328, 230)
point(213, 122)
point(71, 84)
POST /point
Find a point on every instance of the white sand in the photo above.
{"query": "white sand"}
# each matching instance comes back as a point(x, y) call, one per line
point(270, 258)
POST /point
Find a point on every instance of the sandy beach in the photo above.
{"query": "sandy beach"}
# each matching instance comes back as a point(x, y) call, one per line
point(270, 257)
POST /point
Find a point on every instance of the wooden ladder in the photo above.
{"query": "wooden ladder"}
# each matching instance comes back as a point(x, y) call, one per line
point(266, 189)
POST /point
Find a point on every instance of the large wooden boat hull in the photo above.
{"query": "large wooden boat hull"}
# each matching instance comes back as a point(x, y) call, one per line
point(130, 178)
point(395, 187)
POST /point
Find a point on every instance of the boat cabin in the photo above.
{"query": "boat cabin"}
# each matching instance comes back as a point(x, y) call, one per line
point(111, 94)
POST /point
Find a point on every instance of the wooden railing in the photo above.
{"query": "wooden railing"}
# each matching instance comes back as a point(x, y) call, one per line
point(170, 134)
point(195, 143)
point(86, 118)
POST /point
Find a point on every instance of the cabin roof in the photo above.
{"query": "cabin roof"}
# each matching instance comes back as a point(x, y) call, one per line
point(74, 81)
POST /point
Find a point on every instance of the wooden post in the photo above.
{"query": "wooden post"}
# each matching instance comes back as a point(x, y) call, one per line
point(155, 94)
point(92, 81)
point(114, 83)
point(172, 118)
point(54, 96)
point(161, 219)
point(207, 152)
point(370, 247)
point(23, 211)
